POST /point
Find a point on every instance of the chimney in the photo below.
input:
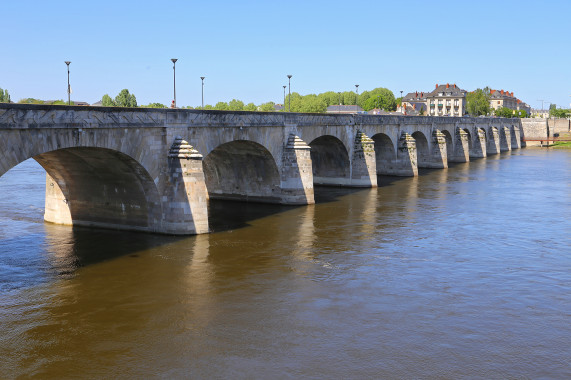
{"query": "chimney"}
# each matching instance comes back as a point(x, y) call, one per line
point(416, 94)
point(512, 94)
point(502, 92)
point(422, 94)
point(436, 85)
point(447, 85)
point(454, 85)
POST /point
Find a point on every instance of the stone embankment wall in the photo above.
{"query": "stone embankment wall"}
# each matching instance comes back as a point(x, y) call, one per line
point(534, 129)
point(558, 126)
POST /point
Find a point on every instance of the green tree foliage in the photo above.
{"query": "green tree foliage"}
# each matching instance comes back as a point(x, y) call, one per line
point(478, 102)
point(267, 107)
point(236, 105)
point(106, 101)
point(221, 106)
point(4, 96)
point(250, 107)
point(125, 99)
point(31, 101)
point(559, 112)
point(154, 105)
point(505, 112)
point(382, 98)
point(521, 114)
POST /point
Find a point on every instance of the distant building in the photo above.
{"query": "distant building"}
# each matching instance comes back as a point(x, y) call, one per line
point(344, 109)
point(446, 100)
point(97, 104)
point(501, 98)
point(413, 104)
point(539, 113)
point(278, 107)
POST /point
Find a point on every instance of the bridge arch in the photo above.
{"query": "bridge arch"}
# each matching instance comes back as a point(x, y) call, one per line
point(330, 161)
point(470, 142)
point(422, 149)
point(385, 154)
point(101, 188)
point(242, 170)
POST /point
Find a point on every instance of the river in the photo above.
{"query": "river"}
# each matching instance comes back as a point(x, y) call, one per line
point(458, 273)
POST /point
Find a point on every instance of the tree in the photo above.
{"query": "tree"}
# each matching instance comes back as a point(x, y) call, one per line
point(155, 105)
point(106, 101)
point(222, 106)
point(125, 99)
point(559, 112)
point(382, 98)
point(4, 96)
point(250, 107)
point(478, 102)
point(235, 105)
point(312, 103)
point(267, 107)
point(505, 112)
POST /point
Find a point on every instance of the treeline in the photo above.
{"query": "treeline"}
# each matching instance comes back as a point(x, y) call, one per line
point(478, 103)
point(559, 112)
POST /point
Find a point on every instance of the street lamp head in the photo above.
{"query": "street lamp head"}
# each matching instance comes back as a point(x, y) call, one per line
point(67, 62)
point(284, 86)
point(174, 60)
point(202, 78)
point(289, 76)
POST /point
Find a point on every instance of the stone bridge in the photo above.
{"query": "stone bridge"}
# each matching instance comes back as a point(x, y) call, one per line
point(155, 169)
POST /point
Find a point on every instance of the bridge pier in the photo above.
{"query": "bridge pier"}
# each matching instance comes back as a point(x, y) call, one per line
point(185, 197)
point(493, 146)
point(505, 139)
point(461, 146)
point(406, 164)
point(296, 173)
point(478, 144)
point(438, 157)
point(363, 162)
point(516, 137)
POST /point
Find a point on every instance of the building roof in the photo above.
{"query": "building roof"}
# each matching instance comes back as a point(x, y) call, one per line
point(415, 97)
point(448, 90)
point(501, 94)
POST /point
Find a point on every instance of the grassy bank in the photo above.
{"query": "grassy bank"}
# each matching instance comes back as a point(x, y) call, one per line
point(563, 144)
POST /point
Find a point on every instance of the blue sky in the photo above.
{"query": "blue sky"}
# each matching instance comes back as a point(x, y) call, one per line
point(245, 49)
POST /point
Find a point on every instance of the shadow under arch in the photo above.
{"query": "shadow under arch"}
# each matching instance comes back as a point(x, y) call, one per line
point(422, 149)
point(470, 142)
point(330, 161)
point(99, 187)
point(385, 154)
point(242, 170)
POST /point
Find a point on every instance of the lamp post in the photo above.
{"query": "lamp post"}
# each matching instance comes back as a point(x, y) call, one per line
point(357, 92)
point(339, 94)
point(202, 79)
point(68, 88)
point(401, 100)
point(289, 90)
point(284, 96)
point(174, 79)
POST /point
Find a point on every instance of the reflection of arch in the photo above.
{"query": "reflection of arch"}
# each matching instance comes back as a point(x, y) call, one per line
point(422, 149)
point(329, 160)
point(449, 147)
point(385, 154)
point(242, 170)
point(99, 187)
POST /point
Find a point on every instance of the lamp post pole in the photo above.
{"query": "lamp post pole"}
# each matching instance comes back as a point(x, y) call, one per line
point(284, 96)
point(401, 104)
point(68, 88)
point(202, 78)
point(289, 90)
point(174, 79)
point(357, 92)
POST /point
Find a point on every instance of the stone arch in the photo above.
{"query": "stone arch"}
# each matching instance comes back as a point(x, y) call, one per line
point(242, 170)
point(101, 188)
point(422, 149)
point(385, 154)
point(330, 161)
point(449, 145)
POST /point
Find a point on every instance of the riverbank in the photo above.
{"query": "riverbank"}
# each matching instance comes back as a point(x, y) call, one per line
point(563, 144)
